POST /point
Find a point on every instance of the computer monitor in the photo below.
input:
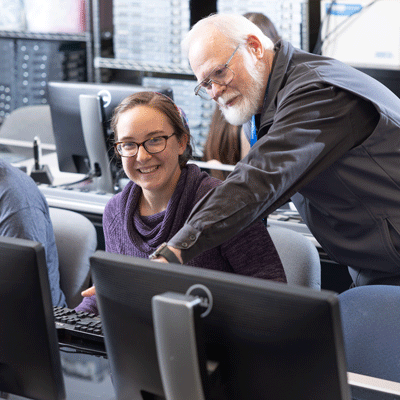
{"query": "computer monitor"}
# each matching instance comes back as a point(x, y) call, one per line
point(179, 332)
point(29, 355)
point(64, 104)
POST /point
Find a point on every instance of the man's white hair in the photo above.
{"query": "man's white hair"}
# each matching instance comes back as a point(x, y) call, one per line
point(234, 27)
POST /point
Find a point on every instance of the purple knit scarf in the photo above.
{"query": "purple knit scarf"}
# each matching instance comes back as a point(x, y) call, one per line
point(149, 232)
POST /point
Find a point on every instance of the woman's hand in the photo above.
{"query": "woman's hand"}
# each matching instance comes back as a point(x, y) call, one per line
point(89, 292)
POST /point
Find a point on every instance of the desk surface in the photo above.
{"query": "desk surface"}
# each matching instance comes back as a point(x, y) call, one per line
point(87, 377)
point(83, 201)
point(83, 198)
point(368, 388)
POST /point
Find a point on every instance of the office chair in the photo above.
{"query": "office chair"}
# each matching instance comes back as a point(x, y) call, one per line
point(300, 258)
point(25, 123)
point(76, 241)
point(370, 321)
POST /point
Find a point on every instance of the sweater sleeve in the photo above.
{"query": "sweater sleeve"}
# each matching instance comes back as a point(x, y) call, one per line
point(253, 253)
point(112, 220)
point(88, 304)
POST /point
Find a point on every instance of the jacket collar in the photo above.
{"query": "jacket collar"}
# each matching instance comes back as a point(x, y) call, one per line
point(283, 55)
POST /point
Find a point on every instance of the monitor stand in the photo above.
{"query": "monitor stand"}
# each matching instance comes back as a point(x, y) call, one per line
point(181, 350)
point(94, 137)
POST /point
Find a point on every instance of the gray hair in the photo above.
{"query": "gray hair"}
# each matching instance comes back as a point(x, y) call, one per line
point(233, 26)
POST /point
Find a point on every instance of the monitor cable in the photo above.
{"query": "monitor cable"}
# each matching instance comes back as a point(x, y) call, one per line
point(318, 46)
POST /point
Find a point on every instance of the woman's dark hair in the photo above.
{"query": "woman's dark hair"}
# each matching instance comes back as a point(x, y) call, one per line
point(163, 104)
point(222, 144)
point(265, 24)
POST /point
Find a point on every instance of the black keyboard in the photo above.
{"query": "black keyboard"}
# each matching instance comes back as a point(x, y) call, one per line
point(80, 330)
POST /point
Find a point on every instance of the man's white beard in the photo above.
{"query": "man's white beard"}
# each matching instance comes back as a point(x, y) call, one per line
point(249, 101)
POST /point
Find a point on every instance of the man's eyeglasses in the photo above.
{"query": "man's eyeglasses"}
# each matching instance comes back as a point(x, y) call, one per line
point(152, 146)
point(221, 75)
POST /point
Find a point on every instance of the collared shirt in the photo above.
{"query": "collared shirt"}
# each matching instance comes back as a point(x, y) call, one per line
point(24, 213)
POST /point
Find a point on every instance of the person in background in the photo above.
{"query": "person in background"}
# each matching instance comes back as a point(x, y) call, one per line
point(24, 213)
point(265, 24)
point(226, 143)
point(323, 134)
point(153, 140)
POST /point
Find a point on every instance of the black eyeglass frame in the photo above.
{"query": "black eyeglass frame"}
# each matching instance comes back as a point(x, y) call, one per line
point(165, 137)
point(207, 80)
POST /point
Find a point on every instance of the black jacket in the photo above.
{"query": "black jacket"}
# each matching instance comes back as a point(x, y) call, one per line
point(329, 139)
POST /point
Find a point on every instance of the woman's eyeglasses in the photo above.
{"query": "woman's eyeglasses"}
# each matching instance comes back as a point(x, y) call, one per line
point(152, 146)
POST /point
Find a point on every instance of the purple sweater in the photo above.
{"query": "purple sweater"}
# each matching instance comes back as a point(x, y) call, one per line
point(250, 253)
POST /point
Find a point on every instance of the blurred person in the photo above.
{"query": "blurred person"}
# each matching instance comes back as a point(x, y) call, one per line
point(24, 214)
point(265, 24)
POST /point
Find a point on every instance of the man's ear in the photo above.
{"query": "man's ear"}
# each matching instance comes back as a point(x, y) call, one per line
point(255, 47)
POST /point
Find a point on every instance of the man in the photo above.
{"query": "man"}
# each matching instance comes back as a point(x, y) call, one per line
point(24, 213)
point(326, 136)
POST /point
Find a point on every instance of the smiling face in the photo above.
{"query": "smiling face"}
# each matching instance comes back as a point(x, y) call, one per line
point(157, 174)
point(243, 96)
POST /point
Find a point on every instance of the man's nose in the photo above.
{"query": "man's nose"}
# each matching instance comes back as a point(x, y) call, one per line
point(216, 90)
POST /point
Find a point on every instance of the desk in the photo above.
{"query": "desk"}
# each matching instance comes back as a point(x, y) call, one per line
point(80, 200)
point(368, 388)
point(86, 377)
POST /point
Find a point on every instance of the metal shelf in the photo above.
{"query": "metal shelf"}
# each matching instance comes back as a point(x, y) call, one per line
point(73, 37)
point(86, 37)
point(114, 63)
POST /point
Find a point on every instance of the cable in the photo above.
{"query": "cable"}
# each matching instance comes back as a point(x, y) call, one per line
point(86, 178)
point(89, 176)
point(320, 42)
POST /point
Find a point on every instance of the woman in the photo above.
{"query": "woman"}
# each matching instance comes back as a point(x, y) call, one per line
point(153, 140)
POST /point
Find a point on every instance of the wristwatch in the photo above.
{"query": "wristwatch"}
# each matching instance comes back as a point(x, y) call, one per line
point(164, 251)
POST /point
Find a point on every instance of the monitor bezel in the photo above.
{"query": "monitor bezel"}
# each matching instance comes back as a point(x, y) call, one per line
point(63, 98)
point(30, 363)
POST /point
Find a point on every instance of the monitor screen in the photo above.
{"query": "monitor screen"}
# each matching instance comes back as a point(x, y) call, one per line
point(66, 119)
point(29, 355)
point(247, 338)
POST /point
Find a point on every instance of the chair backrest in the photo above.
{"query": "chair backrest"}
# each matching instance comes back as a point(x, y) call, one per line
point(76, 241)
point(25, 123)
point(371, 324)
point(300, 258)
